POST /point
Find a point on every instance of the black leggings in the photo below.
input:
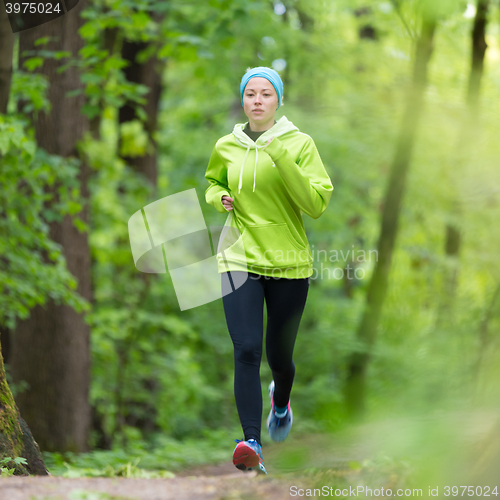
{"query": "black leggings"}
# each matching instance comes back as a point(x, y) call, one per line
point(243, 307)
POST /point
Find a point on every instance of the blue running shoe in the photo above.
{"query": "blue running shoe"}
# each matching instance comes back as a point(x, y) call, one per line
point(248, 456)
point(278, 428)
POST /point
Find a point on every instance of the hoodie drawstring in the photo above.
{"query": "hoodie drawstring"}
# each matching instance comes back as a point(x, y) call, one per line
point(254, 168)
point(241, 169)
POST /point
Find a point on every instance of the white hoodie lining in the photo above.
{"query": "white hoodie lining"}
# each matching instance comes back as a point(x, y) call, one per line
point(282, 126)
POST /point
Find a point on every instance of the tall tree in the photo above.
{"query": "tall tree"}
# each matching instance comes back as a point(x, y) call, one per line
point(354, 389)
point(6, 55)
point(462, 153)
point(50, 349)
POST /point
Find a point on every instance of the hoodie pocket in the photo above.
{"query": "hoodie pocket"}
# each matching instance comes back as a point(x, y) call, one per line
point(273, 245)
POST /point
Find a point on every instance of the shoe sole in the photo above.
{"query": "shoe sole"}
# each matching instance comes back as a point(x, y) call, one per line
point(244, 458)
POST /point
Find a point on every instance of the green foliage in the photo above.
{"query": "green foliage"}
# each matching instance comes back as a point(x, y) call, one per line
point(29, 92)
point(135, 140)
point(36, 189)
point(5, 470)
point(160, 457)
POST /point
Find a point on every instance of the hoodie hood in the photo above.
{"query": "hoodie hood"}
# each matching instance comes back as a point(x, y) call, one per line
point(281, 127)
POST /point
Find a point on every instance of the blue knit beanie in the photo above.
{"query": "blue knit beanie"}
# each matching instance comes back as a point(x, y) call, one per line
point(269, 74)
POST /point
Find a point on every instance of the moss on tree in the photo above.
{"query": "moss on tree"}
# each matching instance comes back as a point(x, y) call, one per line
point(16, 439)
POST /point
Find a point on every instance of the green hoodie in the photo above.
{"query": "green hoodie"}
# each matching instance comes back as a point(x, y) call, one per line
point(271, 187)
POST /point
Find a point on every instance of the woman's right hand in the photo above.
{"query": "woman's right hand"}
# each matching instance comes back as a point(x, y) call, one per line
point(227, 201)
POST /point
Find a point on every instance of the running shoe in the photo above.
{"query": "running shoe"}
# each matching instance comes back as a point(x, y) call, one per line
point(248, 456)
point(278, 428)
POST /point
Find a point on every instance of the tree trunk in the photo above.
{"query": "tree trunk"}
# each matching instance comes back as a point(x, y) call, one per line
point(6, 49)
point(354, 389)
point(6, 54)
point(15, 437)
point(50, 349)
point(463, 151)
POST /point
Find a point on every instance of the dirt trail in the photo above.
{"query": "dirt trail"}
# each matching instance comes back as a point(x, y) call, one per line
point(234, 486)
point(287, 465)
point(208, 482)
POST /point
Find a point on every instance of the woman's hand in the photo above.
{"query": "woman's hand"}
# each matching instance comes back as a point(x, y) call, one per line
point(227, 201)
point(269, 141)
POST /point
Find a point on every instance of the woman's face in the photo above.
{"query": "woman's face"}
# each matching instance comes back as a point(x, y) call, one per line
point(260, 102)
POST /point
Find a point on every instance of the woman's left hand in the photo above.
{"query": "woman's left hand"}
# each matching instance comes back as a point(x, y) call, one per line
point(269, 141)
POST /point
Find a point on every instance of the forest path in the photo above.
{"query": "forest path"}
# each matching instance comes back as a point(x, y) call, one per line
point(234, 486)
point(331, 457)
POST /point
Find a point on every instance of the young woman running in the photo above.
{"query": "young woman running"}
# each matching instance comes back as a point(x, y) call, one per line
point(266, 173)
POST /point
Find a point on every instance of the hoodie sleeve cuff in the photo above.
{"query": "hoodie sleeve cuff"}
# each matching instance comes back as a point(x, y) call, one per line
point(214, 196)
point(275, 149)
